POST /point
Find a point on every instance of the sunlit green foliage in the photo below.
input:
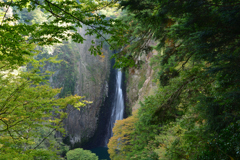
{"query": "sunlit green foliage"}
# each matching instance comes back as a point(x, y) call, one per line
point(30, 110)
point(80, 154)
point(59, 23)
point(119, 144)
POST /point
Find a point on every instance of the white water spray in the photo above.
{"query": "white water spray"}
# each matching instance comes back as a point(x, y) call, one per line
point(117, 106)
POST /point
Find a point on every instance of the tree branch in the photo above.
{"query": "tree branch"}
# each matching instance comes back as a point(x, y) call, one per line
point(97, 9)
point(47, 135)
point(185, 62)
point(175, 94)
point(3, 107)
point(67, 13)
point(6, 12)
point(5, 124)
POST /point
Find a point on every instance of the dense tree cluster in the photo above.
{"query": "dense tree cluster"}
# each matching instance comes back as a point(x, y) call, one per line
point(195, 112)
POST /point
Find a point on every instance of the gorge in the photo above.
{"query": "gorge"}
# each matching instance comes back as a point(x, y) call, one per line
point(112, 110)
point(83, 74)
point(177, 96)
point(97, 80)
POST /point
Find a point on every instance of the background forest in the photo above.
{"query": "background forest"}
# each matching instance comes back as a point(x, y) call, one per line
point(193, 114)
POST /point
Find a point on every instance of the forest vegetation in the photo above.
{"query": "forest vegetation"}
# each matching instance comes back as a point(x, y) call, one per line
point(194, 113)
point(31, 112)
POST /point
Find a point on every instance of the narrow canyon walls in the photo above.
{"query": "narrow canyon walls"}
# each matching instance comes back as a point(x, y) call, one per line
point(86, 75)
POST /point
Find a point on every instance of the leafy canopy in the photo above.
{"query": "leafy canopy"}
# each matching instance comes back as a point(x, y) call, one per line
point(29, 108)
point(197, 42)
point(62, 20)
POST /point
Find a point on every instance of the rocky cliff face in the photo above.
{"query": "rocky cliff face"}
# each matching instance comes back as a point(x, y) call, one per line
point(139, 82)
point(86, 75)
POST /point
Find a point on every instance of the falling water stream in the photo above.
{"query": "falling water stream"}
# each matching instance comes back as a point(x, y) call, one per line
point(117, 106)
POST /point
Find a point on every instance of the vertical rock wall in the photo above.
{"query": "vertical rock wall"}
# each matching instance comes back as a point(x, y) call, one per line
point(139, 82)
point(86, 75)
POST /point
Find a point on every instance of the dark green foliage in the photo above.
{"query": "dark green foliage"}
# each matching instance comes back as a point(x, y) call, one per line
point(199, 73)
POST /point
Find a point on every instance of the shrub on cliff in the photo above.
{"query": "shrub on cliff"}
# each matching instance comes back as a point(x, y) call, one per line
point(119, 142)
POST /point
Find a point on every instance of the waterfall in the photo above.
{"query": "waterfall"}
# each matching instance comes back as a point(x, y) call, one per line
point(117, 106)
